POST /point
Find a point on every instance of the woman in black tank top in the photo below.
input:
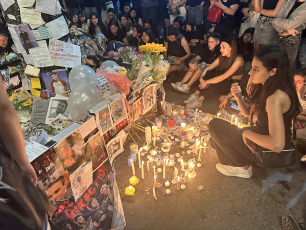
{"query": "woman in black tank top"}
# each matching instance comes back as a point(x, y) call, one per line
point(276, 103)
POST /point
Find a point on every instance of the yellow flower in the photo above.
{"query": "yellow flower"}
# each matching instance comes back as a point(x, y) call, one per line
point(27, 102)
point(152, 48)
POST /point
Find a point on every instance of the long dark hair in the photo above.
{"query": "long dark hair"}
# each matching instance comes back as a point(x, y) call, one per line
point(171, 30)
point(92, 30)
point(274, 56)
point(136, 19)
point(222, 60)
point(150, 34)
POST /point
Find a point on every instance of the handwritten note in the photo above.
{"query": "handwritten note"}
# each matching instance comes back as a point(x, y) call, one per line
point(58, 27)
point(29, 15)
point(30, 70)
point(34, 150)
point(6, 4)
point(25, 3)
point(42, 33)
point(46, 6)
point(64, 54)
point(40, 55)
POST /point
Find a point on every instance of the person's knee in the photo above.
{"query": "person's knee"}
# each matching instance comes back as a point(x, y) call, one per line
point(214, 126)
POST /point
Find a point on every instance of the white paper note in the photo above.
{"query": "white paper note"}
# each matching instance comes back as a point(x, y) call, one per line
point(12, 17)
point(40, 55)
point(58, 27)
point(34, 150)
point(42, 33)
point(64, 54)
point(6, 4)
point(29, 15)
point(25, 3)
point(30, 70)
point(46, 6)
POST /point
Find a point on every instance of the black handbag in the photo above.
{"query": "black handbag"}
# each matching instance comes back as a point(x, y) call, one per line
point(22, 206)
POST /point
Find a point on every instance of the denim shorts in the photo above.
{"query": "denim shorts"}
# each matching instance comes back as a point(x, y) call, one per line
point(264, 31)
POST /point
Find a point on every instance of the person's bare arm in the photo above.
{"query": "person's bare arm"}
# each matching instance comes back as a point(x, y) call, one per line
point(210, 67)
point(185, 45)
point(228, 10)
point(165, 52)
point(274, 12)
point(11, 135)
point(126, 41)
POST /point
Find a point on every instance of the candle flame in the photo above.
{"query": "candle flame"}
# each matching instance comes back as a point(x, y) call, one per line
point(142, 162)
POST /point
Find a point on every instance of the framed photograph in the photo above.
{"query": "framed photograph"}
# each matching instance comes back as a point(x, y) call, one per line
point(95, 151)
point(26, 36)
point(104, 120)
point(57, 83)
point(57, 107)
point(114, 147)
point(118, 111)
point(149, 98)
point(69, 151)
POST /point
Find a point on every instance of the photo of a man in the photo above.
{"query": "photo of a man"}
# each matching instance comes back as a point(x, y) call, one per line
point(26, 37)
point(58, 107)
point(57, 83)
point(105, 120)
point(149, 98)
point(118, 111)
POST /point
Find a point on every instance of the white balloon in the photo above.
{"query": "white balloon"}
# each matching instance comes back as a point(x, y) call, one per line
point(81, 99)
point(108, 63)
point(80, 75)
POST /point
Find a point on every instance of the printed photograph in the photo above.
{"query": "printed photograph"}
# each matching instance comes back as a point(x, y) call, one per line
point(137, 109)
point(69, 151)
point(26, 36)
point(60, 189)
point(105, 120)
point(57, 83)
point(57, 107)
point(118, 111)
point(149, 98)
point(114, 147)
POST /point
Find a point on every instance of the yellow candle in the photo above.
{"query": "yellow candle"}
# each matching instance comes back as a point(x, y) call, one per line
point(129, 191)
point(218, 114)
point(148, 167)
point(175, 173)
point(205, 147)
point(164, 169)
point(182, 164)
point(232, 118)
point(199, 159)
point(133, 168)
point(182, 144)
point(154, 139)
point(134, 180)
point(178, 183)
point(139, 159)
point(142, 171)
point(236, 120)
point(154, 194)
point(154, 170)
point(186, 176)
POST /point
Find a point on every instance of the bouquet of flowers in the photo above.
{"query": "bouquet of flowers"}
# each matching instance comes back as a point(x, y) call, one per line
point(113, 55)
point(126, 53)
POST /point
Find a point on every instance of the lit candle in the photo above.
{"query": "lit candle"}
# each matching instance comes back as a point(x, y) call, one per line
point(218, 114)
point(182, 164)
point(178, 183)
point(236, 120)
point(154, 170)
point(134, 180)
point(133, 168)
point(205, 147)
point(154, 139)
point(185, 176)
point(191, 166)
point(202, 139)
point(153, 131)
point(142, 170)
point(139, 159)
point(164, 169)
point(232, 118)
point(154, 194)
point(148, 166)
point(167, 183)
point(183, 125)
point(196, 114)
point(175, 173)
point(182, 144)
point(129, 191)
point(199, 159)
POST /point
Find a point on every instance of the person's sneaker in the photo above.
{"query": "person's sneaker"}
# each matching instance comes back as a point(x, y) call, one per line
point(228, 170)
point(184, 88)
point(191, 98)
point(176, 84)
point(194, 104)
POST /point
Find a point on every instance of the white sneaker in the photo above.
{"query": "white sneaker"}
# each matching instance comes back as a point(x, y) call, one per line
point(184, 88)
point(176, 84)
point(228, 170)
point(191, 98)
point(194, 104)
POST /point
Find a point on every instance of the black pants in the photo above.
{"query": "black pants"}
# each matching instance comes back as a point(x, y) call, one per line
point(227, 140)
point(216, 90)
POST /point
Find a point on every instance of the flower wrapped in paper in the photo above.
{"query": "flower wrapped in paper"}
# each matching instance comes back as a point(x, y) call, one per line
point(126, 53)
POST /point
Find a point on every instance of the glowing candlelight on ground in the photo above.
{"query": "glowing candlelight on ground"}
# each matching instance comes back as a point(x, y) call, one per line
point(232, 118)
point(178, 183)
point(167, 184)
point(148, 166)
point(199, 159)
point(142, 170)
point(168, 191)
point(130, 191)
point(164, 169)
point(133, 168)
point(183, 187)
point(183, 125)
point(175, 173)
point(134, 180)
point(154, 170)
point(191, 166)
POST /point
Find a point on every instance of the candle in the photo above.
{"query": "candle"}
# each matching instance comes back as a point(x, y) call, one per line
point(139, 159)
point(154, 139)
point(199, 159)
point(148, 166)
point(155, 182)
point(133, 168)
point(232, 118)
point(202, 139)
point(159, 124)
point(218, 114)
point(154, 170)
point(178, 183)
point(175, 173)
point(183, 125)
point(182, 144)
point(182, 164)
point(186, 176)
point(191, 166)
point(183, 187)
point(130, 191)
point(196, 114)
point(171, 122)
point(168, 191)
point(167, 184)
point(236, 120)
point(154, 194)
point(142, 171)
point(205, 147)
point(134, 180)
point(148, 135)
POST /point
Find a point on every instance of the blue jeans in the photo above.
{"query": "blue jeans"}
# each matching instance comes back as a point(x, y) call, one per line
point(195, 15)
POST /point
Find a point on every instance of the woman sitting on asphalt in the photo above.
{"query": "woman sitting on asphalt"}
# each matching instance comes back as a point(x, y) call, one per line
point(228, 67)
point(177, 49)
point(276, 103)
point(206, 55)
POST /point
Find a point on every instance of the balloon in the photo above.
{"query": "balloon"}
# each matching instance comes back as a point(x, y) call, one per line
point(108, 63)
point(82, 74)
point(81, 99)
